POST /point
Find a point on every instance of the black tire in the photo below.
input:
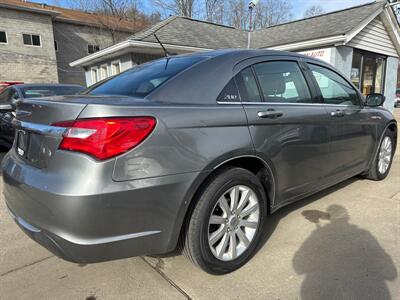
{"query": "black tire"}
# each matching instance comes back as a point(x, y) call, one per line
point(373, 172)
point(196, 246)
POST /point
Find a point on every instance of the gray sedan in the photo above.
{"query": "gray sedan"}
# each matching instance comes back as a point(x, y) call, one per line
point(193, 150)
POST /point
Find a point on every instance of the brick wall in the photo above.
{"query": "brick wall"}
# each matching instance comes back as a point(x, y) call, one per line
point(19, 62)
point(72, 42)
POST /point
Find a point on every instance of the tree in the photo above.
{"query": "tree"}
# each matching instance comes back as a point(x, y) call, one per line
point(185, 8)
point(313, 11)
point(214, 10)
point(272, 12)
point(110, 13)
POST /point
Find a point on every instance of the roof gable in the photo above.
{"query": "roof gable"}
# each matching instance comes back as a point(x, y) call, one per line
point(327, 25)
point(374, 37)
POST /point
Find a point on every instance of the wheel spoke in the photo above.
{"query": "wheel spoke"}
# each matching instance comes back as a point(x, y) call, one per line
point(216, 235)
point(242, 237)
point(243, 200)
point(234, 198)
point(247, 223)
point(222, 245)
point(249, 210)
point(224, 205)
point(217, 220)
point(232, 245)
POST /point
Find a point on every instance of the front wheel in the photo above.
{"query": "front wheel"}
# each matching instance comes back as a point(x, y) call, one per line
point(227, 221)
point(383, 160)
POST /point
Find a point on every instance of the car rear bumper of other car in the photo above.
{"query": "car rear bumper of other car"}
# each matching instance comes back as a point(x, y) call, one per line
point(125, 219)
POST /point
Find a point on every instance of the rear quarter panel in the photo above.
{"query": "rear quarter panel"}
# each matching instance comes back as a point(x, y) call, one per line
point(187, 138)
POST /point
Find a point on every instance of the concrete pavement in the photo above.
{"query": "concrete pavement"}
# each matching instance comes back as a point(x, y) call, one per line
point(343, 243)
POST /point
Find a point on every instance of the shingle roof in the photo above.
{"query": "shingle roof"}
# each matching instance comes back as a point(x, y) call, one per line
point(189, 32)
point(78, 16)
point(331, 24)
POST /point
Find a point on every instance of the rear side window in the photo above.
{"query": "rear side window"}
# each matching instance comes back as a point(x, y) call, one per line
point(247, 85)
point(229, 93)
point(334, 89)
point(282, 82)
point(143, 79)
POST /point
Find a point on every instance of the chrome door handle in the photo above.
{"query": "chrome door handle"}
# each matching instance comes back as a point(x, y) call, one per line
point(337, 113)
point(270, 114)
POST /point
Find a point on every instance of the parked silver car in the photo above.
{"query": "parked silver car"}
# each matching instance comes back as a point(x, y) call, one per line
point(196, 148)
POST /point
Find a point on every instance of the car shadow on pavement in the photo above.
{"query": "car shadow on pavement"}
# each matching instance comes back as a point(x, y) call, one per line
point(341, 260)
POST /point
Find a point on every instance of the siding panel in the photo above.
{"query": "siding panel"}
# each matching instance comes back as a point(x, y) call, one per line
point(374, 38)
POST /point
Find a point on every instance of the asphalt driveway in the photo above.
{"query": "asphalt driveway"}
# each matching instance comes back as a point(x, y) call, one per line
point(343, 243)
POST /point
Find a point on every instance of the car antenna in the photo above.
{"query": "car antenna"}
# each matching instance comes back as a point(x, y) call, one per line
point(166, 53)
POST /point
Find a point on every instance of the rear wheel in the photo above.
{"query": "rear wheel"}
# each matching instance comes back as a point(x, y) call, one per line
point(227, 221)
point(383, 160)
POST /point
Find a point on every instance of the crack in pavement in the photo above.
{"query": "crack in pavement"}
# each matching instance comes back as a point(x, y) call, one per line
point(169, 280)
point(25, 266)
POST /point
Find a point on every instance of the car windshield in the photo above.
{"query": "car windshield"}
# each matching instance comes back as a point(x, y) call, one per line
point(45, 91)
point(143, 79)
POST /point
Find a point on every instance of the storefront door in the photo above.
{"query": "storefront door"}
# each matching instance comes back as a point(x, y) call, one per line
point(368, 71)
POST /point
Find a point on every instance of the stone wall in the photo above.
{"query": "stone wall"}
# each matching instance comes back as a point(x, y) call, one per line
point(19, 62)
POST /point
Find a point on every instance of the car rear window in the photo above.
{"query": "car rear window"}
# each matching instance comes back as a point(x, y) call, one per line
point(143, 79)
point(45, 91)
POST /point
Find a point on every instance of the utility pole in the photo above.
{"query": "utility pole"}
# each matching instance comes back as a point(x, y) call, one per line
point(252, 4)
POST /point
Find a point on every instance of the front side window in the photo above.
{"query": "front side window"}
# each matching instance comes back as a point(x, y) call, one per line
point(143, 79)
point(282, 82)
point(247, 85)
point(3, 37)
point(334, 89)
point(4, 96)
point(31, 39)
point(93, 48)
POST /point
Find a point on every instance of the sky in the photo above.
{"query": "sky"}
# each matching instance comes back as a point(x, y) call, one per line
point(299, 6)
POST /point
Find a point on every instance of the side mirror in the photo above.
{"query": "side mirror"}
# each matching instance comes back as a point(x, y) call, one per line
point(5, 108)
point(374, 100)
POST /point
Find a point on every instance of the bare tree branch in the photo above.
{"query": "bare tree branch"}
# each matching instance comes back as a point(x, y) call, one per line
point(313, 11)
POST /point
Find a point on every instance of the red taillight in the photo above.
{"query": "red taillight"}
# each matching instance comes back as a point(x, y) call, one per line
point(104, 138)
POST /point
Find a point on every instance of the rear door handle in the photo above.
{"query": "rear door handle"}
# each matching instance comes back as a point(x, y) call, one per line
point(337, 113)
point(270, 114)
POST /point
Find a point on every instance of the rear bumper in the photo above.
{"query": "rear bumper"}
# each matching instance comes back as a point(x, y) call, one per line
point(122, 219)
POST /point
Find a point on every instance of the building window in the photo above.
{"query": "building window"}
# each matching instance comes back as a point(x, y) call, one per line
point(56, 45)
point(94, 75)
point(93, 48)
point(368, 72)
point(115, 67)
point(3, 37)
point(31, 39)
point(103, 72)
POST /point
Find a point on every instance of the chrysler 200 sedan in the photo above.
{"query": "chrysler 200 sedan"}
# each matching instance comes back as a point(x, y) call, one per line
point(193, 150)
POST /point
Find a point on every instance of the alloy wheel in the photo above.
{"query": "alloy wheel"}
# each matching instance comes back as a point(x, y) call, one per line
point(385, 155)
point(233, 222)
